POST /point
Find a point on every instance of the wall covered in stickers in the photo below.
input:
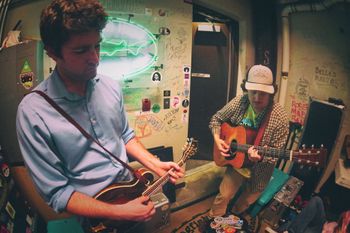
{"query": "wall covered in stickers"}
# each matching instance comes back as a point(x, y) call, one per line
point(147, 48)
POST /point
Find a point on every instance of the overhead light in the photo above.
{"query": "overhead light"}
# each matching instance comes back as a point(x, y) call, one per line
point(208, 28)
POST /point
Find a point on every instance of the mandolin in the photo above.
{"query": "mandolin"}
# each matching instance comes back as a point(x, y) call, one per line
point(120, 193)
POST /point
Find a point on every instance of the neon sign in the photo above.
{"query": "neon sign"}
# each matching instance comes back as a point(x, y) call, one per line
point(127, 49)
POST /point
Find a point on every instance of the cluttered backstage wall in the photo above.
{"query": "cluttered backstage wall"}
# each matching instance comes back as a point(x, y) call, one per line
point(153, 68)
point(156, 98)
point(319, 67)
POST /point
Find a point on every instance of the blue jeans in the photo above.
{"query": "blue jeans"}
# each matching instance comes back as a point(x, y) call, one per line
point(310, 219)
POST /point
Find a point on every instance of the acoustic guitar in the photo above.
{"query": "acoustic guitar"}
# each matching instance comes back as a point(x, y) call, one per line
point(121, 193)
point(235, 137)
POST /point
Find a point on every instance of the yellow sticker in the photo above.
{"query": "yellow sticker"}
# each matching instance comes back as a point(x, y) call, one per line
point(26, 76)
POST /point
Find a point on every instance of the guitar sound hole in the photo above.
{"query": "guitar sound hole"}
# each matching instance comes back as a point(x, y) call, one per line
point(233, 150)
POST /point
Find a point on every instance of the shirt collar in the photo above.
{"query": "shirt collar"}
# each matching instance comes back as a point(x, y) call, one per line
point(56, 88)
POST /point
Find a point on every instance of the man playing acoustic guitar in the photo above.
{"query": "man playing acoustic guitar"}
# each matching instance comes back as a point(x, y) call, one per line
point(259, 121)
point(67, 167)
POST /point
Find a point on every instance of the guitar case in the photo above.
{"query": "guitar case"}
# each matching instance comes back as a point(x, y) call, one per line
point(321, 127)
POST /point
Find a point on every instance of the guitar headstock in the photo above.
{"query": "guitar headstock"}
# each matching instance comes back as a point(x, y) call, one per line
point(316, 157)
point(190, 149)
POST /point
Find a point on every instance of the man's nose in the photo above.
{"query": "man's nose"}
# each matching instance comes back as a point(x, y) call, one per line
point(94, 56)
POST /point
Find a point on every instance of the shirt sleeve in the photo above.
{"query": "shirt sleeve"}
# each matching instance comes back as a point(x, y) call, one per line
point(127, 132)
point(40, 156)
point(223, 115)
point(280, 127)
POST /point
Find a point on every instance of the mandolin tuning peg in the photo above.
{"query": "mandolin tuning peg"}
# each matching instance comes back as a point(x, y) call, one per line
point(322, 146)
point(304, 146)
point(312, 146)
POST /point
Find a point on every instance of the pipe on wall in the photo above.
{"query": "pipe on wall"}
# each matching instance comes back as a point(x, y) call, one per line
point(286, 11)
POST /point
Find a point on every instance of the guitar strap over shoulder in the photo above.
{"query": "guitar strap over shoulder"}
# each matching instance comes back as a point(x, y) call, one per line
point(86, 134)
point(262, 128)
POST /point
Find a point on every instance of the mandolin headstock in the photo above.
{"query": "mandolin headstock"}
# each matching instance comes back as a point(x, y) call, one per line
point(190, 149)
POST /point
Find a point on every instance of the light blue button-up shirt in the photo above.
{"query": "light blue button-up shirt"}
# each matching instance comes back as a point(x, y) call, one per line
point(60, 159)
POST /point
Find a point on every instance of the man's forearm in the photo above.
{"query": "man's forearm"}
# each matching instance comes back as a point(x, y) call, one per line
point(84, 205)
point(136, 149)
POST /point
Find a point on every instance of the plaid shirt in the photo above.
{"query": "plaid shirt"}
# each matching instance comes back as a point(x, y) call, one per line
point(275, 134)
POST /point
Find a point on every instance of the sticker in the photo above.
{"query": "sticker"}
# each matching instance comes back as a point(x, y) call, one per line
point(146, 105)
point(187, 69)
point(26, 76)
point(156, 76)
point(10, 210)
point(185, 103)
point(175, 102)
point(187, 93)
point(155, 108)
point(166, 103)
point(166, 93)
point(5, 170)
point(29, 220)
point(164, 31)
point(184, 116)
point(187, 73)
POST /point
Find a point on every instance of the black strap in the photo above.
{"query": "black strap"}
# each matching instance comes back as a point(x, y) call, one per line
point(86, 134)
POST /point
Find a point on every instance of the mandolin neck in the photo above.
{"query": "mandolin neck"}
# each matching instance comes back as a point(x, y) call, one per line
point(158, 184)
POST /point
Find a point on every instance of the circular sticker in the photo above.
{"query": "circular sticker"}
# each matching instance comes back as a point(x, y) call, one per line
point(5, 170)
point(156, 76)
point(155, 108)
point(185, 103)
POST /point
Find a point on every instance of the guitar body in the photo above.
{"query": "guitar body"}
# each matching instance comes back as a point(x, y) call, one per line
point(231, 134)
point(120, 193)
point(235, 137)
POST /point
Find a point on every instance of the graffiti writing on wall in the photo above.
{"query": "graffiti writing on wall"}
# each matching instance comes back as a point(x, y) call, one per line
point(298, 110)
point(176, 46)
point(146, 124)
point(302, 89)
point(326, 76)
point(171, 120)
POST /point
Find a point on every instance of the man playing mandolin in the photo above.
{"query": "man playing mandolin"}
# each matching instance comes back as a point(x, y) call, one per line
point(68, 168)
point(261, 122)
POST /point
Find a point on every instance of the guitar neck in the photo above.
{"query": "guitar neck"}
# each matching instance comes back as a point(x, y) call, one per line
point(152, 189)
point(265, 151)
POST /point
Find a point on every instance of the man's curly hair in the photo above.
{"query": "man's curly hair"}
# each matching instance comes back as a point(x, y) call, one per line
point(62, 18)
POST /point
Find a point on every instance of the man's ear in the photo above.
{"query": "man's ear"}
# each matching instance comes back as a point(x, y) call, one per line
point(51, 53)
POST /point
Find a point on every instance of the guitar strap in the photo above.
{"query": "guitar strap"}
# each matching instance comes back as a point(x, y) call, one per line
point(262, 128)
point(136, 173)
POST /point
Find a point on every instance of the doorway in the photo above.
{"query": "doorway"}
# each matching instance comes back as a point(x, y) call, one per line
point(214, 72)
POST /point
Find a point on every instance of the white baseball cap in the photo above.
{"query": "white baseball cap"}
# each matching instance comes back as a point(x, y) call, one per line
point(260, 79)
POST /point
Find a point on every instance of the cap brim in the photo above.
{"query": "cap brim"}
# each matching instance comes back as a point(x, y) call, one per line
point(259, 87)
